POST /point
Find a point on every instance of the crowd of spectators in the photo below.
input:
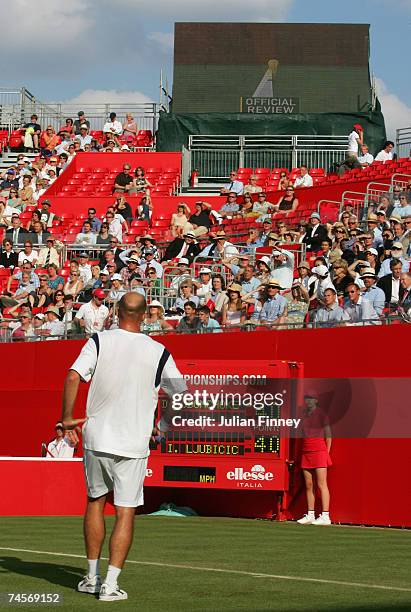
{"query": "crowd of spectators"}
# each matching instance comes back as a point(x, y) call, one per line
point(354, 272)
point(78, 135)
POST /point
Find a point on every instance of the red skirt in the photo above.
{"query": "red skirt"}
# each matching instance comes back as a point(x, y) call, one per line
point(315, 454)
point(315, 459)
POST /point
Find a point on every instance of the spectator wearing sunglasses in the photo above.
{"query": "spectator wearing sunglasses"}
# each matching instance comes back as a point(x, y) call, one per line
point(234, 185)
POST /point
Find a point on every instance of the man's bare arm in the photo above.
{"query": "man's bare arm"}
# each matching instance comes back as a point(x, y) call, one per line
point(71, 385)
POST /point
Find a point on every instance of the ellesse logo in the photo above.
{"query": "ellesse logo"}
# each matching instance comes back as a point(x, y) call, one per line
point(257, 473)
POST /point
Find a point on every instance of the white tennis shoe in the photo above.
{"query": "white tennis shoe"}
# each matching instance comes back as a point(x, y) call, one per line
point(107, 594)
point(322, 520)
point(306, 520)
point(90, 585)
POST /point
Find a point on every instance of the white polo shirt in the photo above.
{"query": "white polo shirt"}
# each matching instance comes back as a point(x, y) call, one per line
point(62, 448)
point(384, 156)
point(304, 181)
point(94, 317)
point(126, 370)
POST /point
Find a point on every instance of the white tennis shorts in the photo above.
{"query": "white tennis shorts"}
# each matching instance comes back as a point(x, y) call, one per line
point(122, 475)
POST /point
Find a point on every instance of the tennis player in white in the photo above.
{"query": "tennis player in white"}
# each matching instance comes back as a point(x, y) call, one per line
point(126, 369)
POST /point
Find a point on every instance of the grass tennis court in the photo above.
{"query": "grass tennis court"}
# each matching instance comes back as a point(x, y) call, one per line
point(190, 564)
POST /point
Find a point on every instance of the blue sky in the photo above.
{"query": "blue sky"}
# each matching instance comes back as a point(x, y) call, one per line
point(97, 50)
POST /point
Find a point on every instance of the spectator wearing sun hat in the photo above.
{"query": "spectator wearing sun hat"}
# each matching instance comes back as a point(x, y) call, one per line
point(220, 247)
point(283, 266)
point(322, 282)
point(203, 284)
point(315, 234)
point(274, 310)
point(92, 316)
point(372, 223)
point(52, 326)
point(372, 293)
point(186, 247)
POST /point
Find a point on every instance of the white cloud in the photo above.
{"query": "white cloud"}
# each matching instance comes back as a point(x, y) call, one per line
point(99, 97)
point(44, 24)
point(396, 112)
point(164, 39)
point(212, 10)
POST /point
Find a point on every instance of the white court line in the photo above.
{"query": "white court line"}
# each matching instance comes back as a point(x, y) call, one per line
point(217, 570)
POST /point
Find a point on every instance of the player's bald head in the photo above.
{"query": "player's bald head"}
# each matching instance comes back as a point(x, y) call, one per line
point(131, 306)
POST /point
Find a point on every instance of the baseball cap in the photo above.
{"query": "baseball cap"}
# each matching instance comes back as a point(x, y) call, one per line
point(116, 277)
point(315, 215)
point(372, 251)
point(83, 254)
point(99, 293)
point(358, 126)
point(105, 272)
point(11, 171)
point(205, 271)
point(184, 261)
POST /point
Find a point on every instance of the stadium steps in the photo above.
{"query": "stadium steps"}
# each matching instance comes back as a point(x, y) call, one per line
point(10, 159)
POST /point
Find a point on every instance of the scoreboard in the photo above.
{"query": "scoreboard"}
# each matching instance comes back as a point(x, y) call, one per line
point(232, 428)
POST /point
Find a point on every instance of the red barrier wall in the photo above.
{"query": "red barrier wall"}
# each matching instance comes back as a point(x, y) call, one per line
point(368, 482)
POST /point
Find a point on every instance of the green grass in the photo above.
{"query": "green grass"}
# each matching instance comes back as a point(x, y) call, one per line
point(356, 555)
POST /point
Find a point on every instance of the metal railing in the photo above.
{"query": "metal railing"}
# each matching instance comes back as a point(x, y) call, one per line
point(17, 106)
point(404, 142)
point(248, 326)
point(213, 156)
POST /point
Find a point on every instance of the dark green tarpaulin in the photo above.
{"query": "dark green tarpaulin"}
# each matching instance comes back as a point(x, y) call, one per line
point(174, 129)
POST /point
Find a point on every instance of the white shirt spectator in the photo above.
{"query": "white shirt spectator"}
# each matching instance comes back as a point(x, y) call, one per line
point(62, 448)
point(85, 273)
point(94, 317)
point(353, 143)
point(384, 156)
point(10, 210)
point(367, 158)
point(56, 328)
point(113, 127)
point(303, 181)
point(116, 227)
point(83, 140)
point(24, 257)
point(86, 238)
point(285, 271)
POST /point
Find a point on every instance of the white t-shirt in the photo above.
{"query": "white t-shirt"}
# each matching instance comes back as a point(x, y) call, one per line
point(352, 143)
point(116, 227)
point(126, 370)
point(62, 448)
point(32, 257)
point(384, 156)
point(113, 126)
point(303, 181)
point(367, 158)
point(94, 318)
